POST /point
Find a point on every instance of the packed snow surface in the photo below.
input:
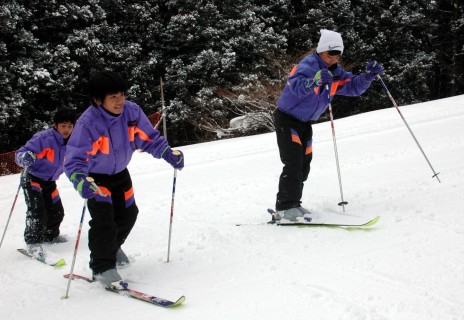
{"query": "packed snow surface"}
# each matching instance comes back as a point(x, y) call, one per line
point(410, 265)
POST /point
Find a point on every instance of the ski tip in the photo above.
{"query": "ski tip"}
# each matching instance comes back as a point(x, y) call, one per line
point(178, 302)
point(60, 263)
point(169, 304)
point(372, 222)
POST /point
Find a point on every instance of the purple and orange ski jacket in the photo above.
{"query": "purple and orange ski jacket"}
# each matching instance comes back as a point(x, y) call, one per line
point(49, 148)
point(104, 143)
point(305, 101)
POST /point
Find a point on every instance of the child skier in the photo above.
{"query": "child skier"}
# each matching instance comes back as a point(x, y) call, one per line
point(42, 159)
point(101, 147)
point(310, 87)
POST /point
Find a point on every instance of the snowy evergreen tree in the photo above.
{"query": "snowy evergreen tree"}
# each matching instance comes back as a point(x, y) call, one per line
point(23, 80)
point(214, 45)
point(219, 59)
point(447, 40)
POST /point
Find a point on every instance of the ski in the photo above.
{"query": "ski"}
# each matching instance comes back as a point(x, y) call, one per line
point(255, 224)
point(57, 264)
point(328, 219)
point(136, 294)
point(368, 223)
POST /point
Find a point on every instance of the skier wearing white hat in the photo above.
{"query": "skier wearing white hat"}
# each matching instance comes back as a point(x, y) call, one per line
point(310, 88)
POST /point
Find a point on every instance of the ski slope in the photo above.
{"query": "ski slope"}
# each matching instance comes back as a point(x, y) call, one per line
point(408, 266)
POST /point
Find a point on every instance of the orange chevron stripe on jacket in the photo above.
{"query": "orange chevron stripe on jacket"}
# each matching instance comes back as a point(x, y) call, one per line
point(102, 144)
point(48, 153)
point(135, 130)
point(293, 70)
point(335, 85)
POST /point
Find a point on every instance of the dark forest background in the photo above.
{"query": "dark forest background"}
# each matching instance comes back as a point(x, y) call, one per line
point(220, 60)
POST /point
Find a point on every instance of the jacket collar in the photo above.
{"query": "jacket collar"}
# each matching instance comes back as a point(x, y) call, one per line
point(110, 117)
point(58, 136)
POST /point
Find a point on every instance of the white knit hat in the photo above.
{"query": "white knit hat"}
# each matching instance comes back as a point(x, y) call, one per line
point(330, 40)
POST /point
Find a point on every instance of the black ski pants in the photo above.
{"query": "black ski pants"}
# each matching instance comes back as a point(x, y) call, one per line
point(294, 139)
point(112, 220)
point(44, 209)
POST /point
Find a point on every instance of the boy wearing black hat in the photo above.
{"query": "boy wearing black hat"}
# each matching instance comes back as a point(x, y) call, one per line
point(105, 137)
point(42, 158)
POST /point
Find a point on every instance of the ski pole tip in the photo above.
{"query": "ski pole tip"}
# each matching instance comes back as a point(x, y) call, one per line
point(436, 176)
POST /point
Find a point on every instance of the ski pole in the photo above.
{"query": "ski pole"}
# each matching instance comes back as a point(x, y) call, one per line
point(343, 202)
point(435, 175)
point(66, 296)
point(71, 272)
point(163, 109)
point(172, 211)
point(12, 207)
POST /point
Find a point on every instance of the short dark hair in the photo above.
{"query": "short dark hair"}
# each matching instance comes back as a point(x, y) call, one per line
point(104, 83)
point(64, 115)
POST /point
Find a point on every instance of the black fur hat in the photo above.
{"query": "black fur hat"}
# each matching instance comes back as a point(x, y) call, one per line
point(106, 82)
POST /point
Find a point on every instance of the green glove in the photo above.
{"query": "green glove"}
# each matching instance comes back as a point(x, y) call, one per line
point(84, 185)
point(321, 77)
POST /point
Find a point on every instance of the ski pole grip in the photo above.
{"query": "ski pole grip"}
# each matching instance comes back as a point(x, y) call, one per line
point(92, 182)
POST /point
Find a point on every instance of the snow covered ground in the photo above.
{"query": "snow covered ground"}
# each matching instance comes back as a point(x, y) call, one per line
point(408, 266)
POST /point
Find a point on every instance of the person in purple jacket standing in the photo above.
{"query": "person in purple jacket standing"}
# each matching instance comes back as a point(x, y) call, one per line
point(101, 146)
point(42, 159)
point(312, 84)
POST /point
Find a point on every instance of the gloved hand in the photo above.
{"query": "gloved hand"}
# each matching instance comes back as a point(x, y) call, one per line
point(26, 159)
point(326, 77)
point(174, 157)
point(84, 185)
point(373, 68)
point(321, 77)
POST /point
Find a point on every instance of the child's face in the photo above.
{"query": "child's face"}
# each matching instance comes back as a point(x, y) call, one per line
point(114, 102)
point(65, 128)
point(330, 60)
